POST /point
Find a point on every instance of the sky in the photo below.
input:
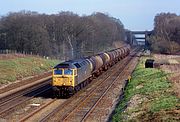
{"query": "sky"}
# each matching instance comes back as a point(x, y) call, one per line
point(134, 14)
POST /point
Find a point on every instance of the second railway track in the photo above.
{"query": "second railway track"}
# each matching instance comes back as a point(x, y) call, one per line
point(11, 103)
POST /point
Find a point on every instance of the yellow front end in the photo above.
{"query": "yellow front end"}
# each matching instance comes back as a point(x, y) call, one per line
point(63, 77)
point(63, 81)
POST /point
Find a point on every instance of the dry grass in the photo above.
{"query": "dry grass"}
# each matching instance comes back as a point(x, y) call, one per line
point(15, 68)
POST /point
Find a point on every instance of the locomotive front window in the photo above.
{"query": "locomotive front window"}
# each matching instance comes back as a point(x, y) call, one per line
point(58, 72)
point(68, 72)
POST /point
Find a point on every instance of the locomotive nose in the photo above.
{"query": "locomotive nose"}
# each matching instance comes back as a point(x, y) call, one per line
point(62, 81)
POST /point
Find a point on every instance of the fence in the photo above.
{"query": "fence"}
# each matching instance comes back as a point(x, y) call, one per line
point(14, 52)
point(23, 54)
point(65, 56)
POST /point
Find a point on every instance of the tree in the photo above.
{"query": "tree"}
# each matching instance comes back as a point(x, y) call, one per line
point(166, 33)
point(64, 35)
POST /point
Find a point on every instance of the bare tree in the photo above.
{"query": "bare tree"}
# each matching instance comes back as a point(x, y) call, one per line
point(63, 35)
point(166, 30)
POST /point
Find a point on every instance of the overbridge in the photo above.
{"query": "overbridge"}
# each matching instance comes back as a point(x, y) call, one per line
point(138, 37)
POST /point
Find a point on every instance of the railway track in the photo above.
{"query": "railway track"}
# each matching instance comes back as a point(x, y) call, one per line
point(26, 82)
point(22, 92)
point(80, 106)
point(38, 110)
point(11, 103)
point(114, 94)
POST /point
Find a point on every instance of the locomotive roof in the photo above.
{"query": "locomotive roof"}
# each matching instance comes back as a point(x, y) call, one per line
point(70, 64)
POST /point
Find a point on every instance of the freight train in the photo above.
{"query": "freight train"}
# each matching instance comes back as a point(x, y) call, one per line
point(70, 76)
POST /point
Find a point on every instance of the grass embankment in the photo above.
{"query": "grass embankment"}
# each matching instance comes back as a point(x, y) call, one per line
point(18, 68)
point(149, 97)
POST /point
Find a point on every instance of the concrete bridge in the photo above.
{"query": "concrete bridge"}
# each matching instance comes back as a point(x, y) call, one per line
point(134, 38)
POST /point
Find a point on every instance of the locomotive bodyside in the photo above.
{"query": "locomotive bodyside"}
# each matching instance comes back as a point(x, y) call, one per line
point(85, 69)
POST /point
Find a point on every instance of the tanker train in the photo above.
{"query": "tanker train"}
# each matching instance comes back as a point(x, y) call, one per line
point(70, 76)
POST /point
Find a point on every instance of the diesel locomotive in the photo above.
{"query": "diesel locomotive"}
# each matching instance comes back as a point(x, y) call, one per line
point(70, 76)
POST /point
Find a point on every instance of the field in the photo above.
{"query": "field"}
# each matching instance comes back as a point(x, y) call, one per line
point(17, 67)
point(149, 96)
point(172, 68)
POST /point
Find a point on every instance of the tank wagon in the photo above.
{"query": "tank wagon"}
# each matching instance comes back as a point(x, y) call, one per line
point(70, 76)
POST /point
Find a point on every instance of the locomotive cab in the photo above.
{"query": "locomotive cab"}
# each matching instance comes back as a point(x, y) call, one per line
point(63, 76)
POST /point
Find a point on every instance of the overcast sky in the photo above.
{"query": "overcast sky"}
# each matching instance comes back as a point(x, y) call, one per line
point(134, 14)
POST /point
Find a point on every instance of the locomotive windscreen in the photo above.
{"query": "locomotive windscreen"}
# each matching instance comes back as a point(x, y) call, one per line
point(58, 72)
point(68, 72)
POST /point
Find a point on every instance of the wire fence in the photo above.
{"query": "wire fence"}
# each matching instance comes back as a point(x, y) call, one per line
point(15, 52)
point(6, 53)
point(67, 55)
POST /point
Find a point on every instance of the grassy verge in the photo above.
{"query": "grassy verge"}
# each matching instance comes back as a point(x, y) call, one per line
point(149, 97)
point(15, 69)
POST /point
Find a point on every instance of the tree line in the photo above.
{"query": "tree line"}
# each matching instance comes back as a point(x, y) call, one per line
point(65, 34)
point(166, 34)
